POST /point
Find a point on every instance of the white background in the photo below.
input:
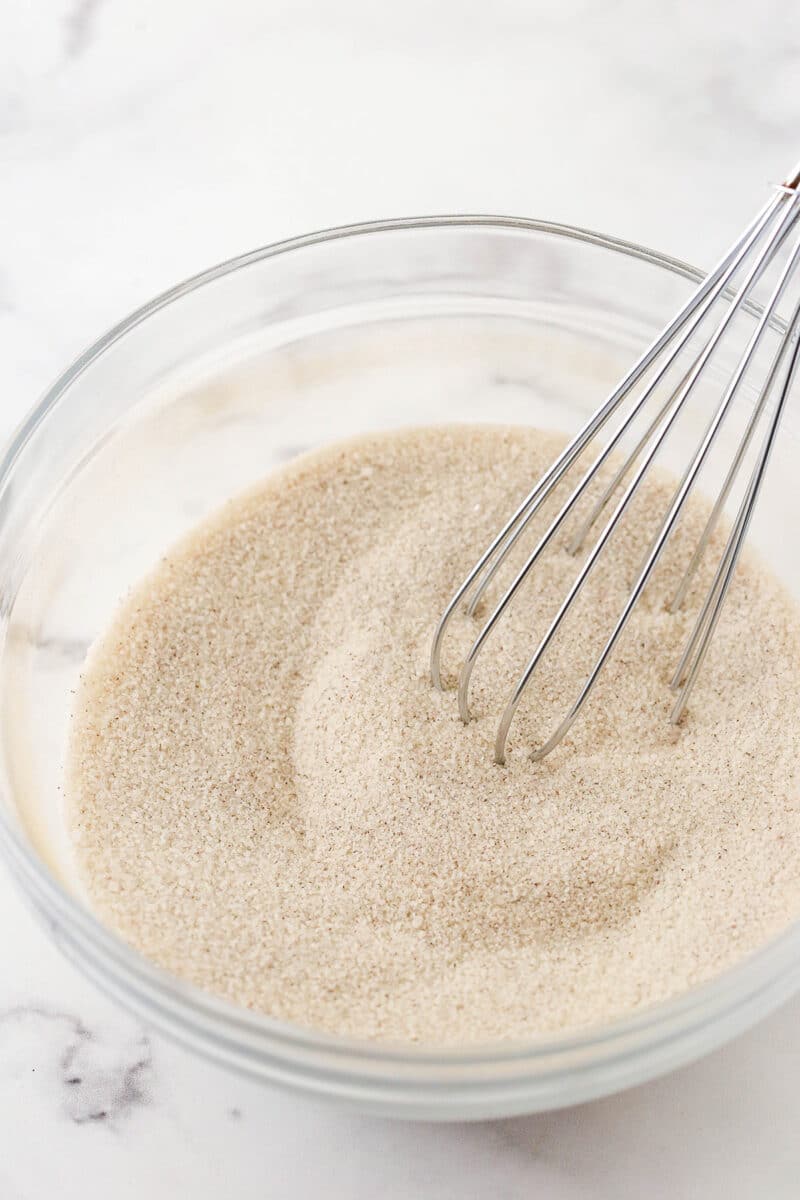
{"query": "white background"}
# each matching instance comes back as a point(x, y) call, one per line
point(142, 140)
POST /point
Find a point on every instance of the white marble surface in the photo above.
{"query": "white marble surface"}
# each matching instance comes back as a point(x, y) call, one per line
point(142, 140)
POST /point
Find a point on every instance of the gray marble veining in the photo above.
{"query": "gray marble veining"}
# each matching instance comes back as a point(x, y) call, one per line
point(88, 1078)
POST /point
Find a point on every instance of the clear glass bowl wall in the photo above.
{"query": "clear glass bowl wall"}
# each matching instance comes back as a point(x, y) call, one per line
point(204, 392)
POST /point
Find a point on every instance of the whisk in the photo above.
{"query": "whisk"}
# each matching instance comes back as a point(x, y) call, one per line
point(752, 253)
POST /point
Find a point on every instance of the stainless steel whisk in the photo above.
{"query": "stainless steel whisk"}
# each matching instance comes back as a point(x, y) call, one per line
point(753, 252)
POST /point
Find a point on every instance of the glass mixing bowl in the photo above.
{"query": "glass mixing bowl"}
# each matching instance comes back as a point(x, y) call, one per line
point(204, 391)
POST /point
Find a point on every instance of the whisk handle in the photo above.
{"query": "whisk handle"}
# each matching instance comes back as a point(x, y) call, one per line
point(793, 179)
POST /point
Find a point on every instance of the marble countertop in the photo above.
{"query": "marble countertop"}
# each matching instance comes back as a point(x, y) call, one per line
point(141, 141)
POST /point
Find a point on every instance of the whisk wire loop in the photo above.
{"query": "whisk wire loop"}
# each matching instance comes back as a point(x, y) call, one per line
point(761, 241)
point(715, 284)
point(699, 639)
point(692, 322)
point(667, 525)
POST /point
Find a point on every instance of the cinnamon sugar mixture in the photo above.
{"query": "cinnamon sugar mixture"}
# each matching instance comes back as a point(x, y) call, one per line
point(269, 799)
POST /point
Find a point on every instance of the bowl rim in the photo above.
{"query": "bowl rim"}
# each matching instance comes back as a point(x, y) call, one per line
point(702, 1005)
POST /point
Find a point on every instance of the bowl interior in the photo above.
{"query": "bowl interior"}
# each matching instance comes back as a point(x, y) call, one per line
point(209, 391)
